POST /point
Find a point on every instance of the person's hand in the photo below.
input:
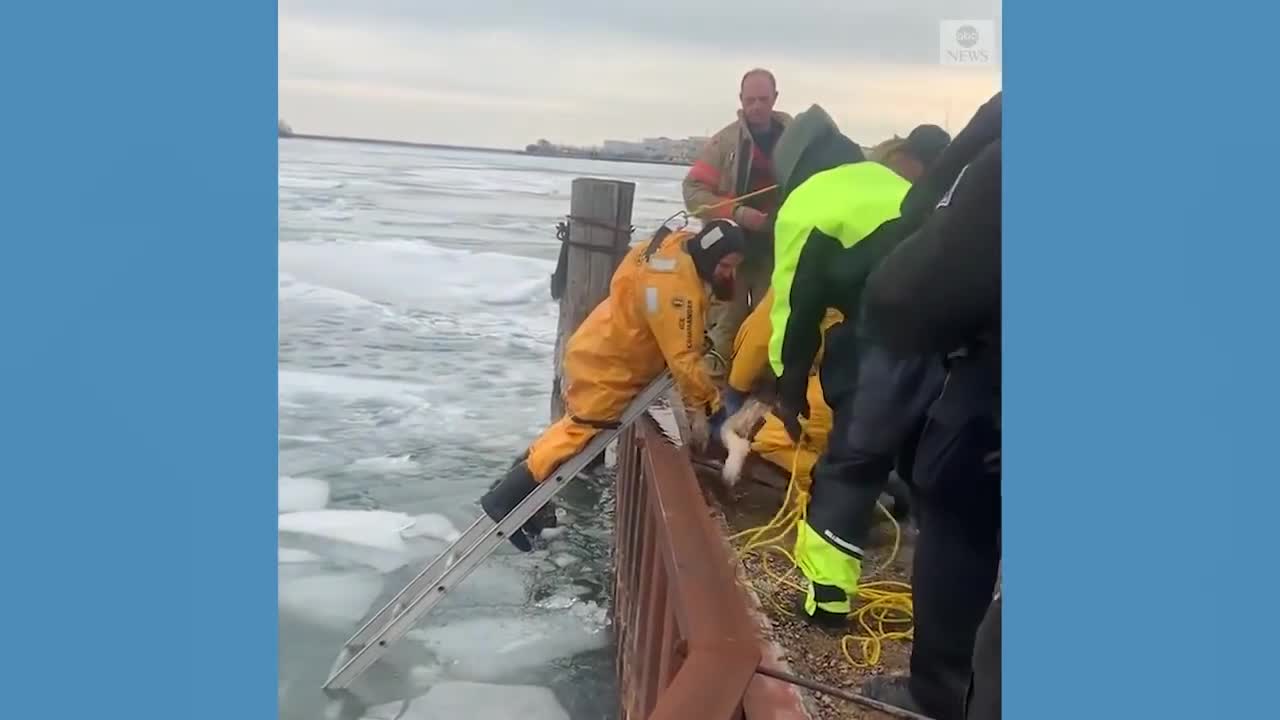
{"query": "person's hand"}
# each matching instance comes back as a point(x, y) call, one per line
point(790, 404)
point(789, 413)
point(752, 219)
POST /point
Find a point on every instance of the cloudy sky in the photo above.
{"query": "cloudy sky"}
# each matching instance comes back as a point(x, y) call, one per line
point(505, 73)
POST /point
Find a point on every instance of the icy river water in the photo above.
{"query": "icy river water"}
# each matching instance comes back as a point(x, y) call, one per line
point(416, 333)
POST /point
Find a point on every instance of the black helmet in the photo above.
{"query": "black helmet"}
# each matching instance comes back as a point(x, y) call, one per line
point(713, 242)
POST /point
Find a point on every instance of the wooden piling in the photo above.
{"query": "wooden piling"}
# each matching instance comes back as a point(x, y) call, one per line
point(599, 233)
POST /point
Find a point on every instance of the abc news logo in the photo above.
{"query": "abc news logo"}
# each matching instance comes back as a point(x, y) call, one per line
point(967, 42)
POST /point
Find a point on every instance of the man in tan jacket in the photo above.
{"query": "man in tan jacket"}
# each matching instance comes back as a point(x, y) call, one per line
point(735, 162)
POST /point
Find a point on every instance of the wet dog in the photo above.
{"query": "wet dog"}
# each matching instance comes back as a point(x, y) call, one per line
point(736, 434)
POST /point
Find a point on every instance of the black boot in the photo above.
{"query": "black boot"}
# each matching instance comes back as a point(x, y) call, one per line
point(821, 619)
point(892, 690)
point(508, 492)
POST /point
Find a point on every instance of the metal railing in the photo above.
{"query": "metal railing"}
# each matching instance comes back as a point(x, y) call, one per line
point(687, 644)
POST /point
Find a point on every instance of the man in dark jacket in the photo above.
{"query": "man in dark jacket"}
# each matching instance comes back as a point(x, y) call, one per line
point(938, 293)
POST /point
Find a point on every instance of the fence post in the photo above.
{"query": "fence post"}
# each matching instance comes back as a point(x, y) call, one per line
point(599, 225)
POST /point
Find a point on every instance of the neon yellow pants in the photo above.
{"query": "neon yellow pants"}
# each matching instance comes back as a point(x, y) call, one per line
point(833, 573)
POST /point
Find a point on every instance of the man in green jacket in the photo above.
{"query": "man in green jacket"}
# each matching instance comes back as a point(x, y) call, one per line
point(839, 217)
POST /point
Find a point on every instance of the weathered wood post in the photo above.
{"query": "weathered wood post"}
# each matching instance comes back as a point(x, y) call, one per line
point(599, 233)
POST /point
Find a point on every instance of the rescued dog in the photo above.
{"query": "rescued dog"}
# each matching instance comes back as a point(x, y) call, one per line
point(735, 436)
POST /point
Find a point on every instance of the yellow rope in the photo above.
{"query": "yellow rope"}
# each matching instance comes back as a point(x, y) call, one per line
point(885, 612)
point(731, 201)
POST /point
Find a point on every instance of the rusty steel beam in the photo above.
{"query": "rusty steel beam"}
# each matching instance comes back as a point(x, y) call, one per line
point(852, 697)
point(687, 645)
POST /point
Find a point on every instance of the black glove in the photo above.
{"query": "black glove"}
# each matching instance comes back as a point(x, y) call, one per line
point(508, 492)
point(791, 404)
point(790, 413)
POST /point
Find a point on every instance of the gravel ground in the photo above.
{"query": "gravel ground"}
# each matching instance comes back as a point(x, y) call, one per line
point(813, 652)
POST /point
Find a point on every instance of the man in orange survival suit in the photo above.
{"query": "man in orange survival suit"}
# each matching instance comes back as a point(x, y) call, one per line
point(653, 319)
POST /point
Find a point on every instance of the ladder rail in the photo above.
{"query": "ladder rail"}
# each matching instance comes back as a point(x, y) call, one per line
point(375, 638)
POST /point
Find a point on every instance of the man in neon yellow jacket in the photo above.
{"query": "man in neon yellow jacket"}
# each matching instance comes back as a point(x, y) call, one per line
point(909, 157)
point(838, 218)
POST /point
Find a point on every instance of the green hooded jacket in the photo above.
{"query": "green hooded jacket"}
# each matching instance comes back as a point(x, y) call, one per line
point(835, 223)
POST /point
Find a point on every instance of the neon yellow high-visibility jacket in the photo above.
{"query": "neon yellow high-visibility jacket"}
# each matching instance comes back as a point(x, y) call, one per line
point(835, 223)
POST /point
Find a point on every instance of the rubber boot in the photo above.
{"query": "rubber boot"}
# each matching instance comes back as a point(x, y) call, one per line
point(508, 492)
point(894, 690)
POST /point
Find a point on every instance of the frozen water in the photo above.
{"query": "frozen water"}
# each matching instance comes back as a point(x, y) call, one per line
point(475, 701)
point(415, 354)
point(424, 675)
point(558, 602)
point(335, 599)
point(302, 493)
point(563, 559)
point(393, 464)
point(287, 556)
point(555, 532)
point(500, 647)
point(435, 526)
point(372, 537)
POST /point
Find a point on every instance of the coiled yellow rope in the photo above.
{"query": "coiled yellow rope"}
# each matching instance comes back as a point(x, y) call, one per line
point(885, 611)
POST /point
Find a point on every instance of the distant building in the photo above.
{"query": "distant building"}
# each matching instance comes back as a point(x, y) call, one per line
point(617, 147)
point(656, 148)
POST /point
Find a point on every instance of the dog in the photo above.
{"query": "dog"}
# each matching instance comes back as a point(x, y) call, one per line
point(735, 436)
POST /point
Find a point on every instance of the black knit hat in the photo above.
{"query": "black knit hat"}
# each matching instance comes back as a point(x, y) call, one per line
point(717, 239)
point(981, 129)
point(926, 143)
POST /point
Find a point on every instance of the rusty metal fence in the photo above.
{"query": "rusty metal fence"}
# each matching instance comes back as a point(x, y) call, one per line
point(687, 644)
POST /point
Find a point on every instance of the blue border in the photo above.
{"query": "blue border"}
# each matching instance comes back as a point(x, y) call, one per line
point(137, 295)
point(138, 306)
point(1141, 332)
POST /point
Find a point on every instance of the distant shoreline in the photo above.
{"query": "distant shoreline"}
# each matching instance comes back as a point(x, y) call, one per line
point(470, 148)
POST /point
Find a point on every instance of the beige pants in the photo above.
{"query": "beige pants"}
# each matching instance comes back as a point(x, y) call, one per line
point(724, 317)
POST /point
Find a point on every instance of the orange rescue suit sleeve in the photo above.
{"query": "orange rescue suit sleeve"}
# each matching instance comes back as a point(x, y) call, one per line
point(675, 306)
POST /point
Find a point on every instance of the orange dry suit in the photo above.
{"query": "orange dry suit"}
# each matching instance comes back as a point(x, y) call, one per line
point(771, 442)
point(652, 320)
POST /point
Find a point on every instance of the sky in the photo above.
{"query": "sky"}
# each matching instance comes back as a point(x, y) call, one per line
point(504, 73)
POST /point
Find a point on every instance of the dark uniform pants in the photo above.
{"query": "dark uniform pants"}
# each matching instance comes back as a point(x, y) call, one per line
point(983, 702)
point(874, 416)
point(878, 399)
point(957, 556)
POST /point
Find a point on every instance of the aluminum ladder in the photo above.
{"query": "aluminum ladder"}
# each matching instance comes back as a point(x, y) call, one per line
point(374, 640)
